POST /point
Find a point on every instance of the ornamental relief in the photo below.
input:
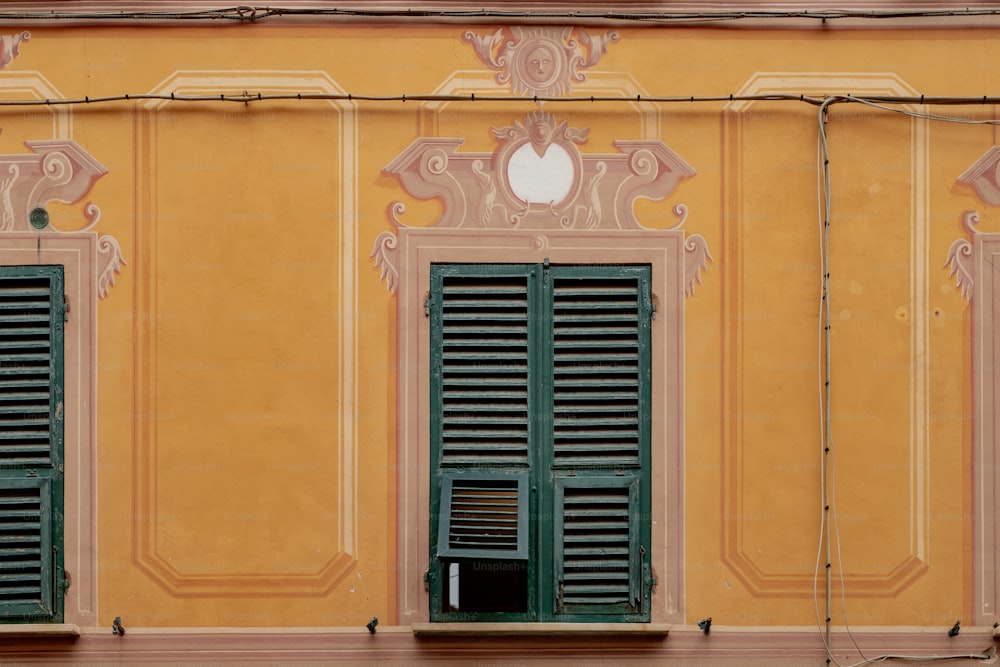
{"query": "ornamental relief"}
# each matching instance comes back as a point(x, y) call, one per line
point(538, 180)
point(542, 61)
point(983, 178)
point(55, 170)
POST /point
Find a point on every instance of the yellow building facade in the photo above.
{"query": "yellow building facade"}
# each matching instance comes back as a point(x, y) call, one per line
point(247, 209)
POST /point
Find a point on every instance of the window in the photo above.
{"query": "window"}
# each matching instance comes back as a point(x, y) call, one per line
point(540, 442)
point(32, 311)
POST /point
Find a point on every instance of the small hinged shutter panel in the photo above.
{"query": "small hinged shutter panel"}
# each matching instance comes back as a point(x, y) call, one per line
point(484, 516)
point(598, 548)
point(31, 433)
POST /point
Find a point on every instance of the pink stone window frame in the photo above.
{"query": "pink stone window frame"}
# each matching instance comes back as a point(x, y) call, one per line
point(664, 251)
point(77, 253)
point(985, 465)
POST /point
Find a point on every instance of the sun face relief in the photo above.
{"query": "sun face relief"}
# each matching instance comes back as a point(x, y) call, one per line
point(540, 64)
point(540, 60)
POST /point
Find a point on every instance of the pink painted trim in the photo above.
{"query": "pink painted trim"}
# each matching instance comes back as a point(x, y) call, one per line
point(418, 248)
point(985, 472)
point(77, 252)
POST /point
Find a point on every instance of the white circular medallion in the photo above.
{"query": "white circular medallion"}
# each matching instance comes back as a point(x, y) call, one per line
point(545, 179)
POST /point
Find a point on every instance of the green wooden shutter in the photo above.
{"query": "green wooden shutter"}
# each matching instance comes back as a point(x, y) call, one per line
point(544, 368)
point(600, 332)
point(31, 442)
point(598, 549)
point(481, 393)
point(600, 442)
point(481, 375)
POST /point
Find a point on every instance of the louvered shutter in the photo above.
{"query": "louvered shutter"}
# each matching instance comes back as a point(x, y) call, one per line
point(480, 356)
point(543, 368)
point(31, 432)
point(600, 368)
point(600, 375)
point(484, 516)
point(598, 550)
point(481, 396)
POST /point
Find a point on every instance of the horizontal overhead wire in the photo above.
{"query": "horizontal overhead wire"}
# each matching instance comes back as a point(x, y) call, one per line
point(877, 101)
point(252, 14)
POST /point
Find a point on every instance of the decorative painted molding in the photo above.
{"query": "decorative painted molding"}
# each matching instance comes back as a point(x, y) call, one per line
point(906, 560)
point(696, 259)
point(540, 60)
point(10, 47)
point(537, 179)
point(151, 553)
point(56, 170)
point(384, 253)
point(961, 257)
point(984, 177)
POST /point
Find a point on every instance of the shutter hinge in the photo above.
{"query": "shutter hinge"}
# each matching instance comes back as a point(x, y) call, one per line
point(559, 596)
point(427, 580)
point(427, 304)
point(644, 579)
point(652, 310)
point(65, 308)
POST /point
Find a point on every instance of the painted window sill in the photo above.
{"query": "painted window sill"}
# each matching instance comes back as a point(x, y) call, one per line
point(540, 629)
point(39, 630)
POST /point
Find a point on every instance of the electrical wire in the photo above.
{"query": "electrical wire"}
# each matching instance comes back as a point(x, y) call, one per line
point(883, 102)
point(828, 455)
point(248, 14)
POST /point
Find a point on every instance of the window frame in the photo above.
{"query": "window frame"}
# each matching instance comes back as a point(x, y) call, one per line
point(77, 253)
point(549, 476)
point(47, 478)
point(664, 251)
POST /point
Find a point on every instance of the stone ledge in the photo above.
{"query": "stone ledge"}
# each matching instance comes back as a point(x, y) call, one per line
point(540, 629)
point(35, 630)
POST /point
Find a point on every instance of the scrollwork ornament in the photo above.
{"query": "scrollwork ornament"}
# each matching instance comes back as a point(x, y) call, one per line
point(643, 163)
point(10, 47)
point(681, 211)
point(58, 170)
point(696, 259)
point(111, 253)
point(384, 252)
point(540, 60)
point(92, 212)
point(960, 258)
point(396, 209)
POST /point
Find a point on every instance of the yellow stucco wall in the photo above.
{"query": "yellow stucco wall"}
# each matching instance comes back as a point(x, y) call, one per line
point(247, 370)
